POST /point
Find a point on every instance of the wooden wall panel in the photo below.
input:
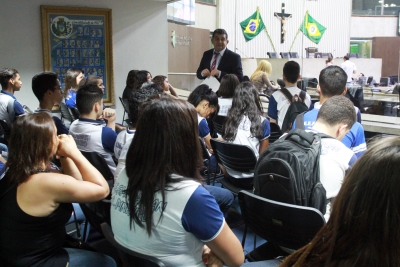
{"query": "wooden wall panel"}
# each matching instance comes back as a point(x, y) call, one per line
point(388, 49)
point(186, 58)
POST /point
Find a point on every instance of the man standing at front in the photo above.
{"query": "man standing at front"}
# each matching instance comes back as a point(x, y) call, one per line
point(220, 61)
point(348, 67)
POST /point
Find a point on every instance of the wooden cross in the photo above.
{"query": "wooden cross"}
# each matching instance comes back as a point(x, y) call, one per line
point(283, 17)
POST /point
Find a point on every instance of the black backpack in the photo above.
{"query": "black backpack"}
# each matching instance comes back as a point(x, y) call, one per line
point(288, 171)
point(296, 107)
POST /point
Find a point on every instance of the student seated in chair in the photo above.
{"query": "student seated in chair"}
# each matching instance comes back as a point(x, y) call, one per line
point(10, 108)
point(335, 118)
point(92, 134)
point(366, 211)
point(46, 87)
point(245, 125)
point(332, 82)
point(124, 138)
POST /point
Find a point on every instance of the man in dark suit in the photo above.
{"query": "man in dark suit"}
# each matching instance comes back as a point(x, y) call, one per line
point(220, 61)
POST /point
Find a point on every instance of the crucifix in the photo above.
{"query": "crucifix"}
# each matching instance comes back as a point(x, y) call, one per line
point(283, 17)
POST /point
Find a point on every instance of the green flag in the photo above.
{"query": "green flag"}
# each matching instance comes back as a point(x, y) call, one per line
point(312, 29)
point(252, 26)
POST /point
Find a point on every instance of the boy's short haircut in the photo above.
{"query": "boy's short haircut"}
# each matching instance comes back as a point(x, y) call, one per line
point(5, 75)
point(42, 82)
point(337, 109)
point(332, 81)
point(86, 97)
point(291, 70)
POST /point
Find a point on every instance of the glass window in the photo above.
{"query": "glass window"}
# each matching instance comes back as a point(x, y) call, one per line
point(376, 7)
point(181, 12)
point(206, 1)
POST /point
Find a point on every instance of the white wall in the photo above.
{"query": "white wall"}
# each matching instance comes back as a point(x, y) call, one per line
point(335, 17)
point(368, 27)
point(206, 17)
point(139, 33)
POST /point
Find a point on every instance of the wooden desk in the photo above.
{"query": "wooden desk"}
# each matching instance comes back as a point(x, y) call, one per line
point(380, 124)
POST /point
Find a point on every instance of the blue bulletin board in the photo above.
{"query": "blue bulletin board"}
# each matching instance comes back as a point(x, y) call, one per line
point(79, 37)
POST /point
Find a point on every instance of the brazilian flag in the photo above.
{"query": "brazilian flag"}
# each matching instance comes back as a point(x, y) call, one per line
point(312, 29)
point(252, 26)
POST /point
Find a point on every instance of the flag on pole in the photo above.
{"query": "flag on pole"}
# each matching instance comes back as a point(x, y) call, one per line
point(312, 29)
point(252, 26)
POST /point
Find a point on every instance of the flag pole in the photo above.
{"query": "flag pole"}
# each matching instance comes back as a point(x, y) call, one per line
point(302, 25)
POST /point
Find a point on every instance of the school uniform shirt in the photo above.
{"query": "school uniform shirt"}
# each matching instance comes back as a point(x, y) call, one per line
point(279, 104)
point(354, 139)
point(70, 100)
point(94, 136)
point(225, 105)
point(334, 161)
point(8, 101)
point(244, 137)
point(123, 137)
point(191, 217)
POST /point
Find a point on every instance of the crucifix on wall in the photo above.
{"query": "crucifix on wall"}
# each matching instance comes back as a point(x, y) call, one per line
point(283, 17)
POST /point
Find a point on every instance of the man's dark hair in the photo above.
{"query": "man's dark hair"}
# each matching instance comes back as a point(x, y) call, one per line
point(138, 97)
point(337, 109)
point(346, 57)
point(332, 81)
point(291, 70)
point(5, 75)
point(42, 82)
point(220, 31)
point(86, 97)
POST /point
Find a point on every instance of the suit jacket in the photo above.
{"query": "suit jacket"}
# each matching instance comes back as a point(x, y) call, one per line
point(230, 63)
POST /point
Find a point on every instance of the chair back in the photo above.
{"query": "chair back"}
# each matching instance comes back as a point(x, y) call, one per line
point(294, 55)
point(233, 156)
point(99, 163)
point(284, 54)
point(285, 225)
point(74, 113)
point(275, 132)
point(6, 130)
point(218, 122)
point(127, 256)
point(65, 113)
point(272, 54)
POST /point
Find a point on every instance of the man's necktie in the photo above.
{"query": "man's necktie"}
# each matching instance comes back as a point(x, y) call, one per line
point(214, 63)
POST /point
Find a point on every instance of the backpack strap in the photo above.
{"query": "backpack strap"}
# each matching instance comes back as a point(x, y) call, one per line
point(286, 93)
point(302, 96)
point(300, 121)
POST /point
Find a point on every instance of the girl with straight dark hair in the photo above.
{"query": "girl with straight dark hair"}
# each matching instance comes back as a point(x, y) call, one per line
point(159, 205)
point(245, 125)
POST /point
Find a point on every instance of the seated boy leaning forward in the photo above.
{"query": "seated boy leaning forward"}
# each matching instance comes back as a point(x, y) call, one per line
point(335, 118)
point(332, 82)
point(90, 132)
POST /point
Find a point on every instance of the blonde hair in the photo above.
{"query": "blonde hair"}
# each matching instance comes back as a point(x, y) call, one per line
point(263, 66)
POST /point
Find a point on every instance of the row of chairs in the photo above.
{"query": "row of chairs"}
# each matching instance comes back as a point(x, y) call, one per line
point(283, 54)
